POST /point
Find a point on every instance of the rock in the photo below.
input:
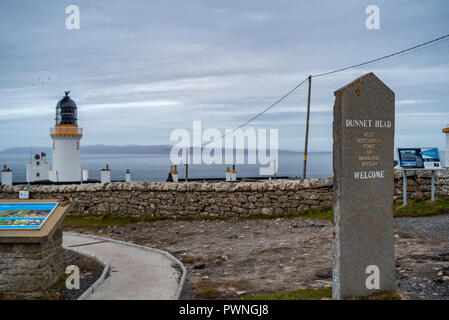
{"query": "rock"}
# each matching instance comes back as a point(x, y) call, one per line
point(239, 293)
point(324, 273)
point(199, 266)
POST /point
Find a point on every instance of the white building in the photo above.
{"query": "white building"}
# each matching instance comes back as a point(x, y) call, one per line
point(37, 168)
point(66, 136)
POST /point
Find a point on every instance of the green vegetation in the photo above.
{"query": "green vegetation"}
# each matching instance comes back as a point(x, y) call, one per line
point(54, 292)
point(95, 222)
point(422, 208)
point(321, 294)
point(382, 295)
point(190, 259)
point(211, 289)
point(301, 294)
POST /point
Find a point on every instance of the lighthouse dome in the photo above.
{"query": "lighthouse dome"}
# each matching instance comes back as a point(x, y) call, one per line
point(66, 110)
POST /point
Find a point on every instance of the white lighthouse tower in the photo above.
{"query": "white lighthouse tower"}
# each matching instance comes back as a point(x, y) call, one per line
point(66, 136)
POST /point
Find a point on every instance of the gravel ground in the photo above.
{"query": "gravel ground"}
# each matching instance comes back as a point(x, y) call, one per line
point(230, 259)
point(429, 227)
point(423, 274)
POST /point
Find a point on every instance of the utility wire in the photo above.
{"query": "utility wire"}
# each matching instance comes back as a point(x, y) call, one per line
point(326, 74)
point(381, 58)
point(259, 114)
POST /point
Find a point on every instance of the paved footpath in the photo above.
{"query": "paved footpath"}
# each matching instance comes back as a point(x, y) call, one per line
point(136, 273)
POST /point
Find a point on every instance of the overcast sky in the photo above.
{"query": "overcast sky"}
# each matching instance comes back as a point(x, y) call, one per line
point(139, 69)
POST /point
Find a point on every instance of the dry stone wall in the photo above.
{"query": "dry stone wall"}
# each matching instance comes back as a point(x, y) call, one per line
point(212, 199)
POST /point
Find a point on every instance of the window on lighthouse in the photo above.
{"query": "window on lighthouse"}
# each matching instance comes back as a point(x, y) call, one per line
point(77, 145)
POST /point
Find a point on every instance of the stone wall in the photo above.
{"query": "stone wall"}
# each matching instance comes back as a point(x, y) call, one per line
point(28, 269)
point(212, 199)
point(419, 182)
point(191, 199)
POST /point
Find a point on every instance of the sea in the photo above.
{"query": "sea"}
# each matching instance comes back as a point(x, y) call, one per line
point(155, 167)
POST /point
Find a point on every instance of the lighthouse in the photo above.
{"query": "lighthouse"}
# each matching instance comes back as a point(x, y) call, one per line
point(66, 136)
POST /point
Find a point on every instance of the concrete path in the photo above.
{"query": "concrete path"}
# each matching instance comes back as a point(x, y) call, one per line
point(137, 272)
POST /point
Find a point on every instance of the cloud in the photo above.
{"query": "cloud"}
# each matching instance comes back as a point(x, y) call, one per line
point(411, 102)
point(149, 67)
point(128, 105)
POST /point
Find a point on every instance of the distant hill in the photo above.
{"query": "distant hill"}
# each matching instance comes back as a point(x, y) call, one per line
point(107, 149)
point(96, 149)
point(26, 150)
point(128, 149)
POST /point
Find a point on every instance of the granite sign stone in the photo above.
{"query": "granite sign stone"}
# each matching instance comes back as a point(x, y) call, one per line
point(363, 151)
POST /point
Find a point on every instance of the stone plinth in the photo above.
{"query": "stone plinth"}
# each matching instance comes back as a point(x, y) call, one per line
point(28, 269)
point(31, 261)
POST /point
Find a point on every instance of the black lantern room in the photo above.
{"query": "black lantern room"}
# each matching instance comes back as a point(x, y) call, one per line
point(66, 111)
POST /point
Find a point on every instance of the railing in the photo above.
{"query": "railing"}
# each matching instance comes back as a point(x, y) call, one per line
point(66, 131)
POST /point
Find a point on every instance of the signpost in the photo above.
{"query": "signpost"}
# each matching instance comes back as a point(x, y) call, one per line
point(363, 153)
point(419, 159)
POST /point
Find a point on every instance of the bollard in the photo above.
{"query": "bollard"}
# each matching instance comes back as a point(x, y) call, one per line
point(228, 174)
point(233, 173)
point(105, 175)
point(175, 174)
point(85, 174)
point(6, 176)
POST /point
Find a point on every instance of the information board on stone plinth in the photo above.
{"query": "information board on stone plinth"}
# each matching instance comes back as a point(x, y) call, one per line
point(363, 155)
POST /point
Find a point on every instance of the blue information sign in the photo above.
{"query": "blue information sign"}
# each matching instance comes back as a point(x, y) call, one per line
point(419, 159)
point(25, 215)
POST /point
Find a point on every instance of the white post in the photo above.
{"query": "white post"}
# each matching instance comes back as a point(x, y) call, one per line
point(228, 174)
point(175, 174)
point(432, 188)
point(6, 176)
point(85, 174)
point(446, 160)
point(404, 182)
point(233, 174)
point(128, 176)
point(105, 175)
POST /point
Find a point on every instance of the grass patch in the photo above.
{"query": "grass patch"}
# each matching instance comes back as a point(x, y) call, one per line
point(300, 294)
point(320, 294)
point(422, 208)
point(54, 292)
point(96, 222)
point(190, 259)
point(211, 289)
point(382, 295)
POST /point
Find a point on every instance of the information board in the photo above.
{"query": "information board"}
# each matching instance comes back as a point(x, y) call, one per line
point(419, 159)
point(25, 215)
